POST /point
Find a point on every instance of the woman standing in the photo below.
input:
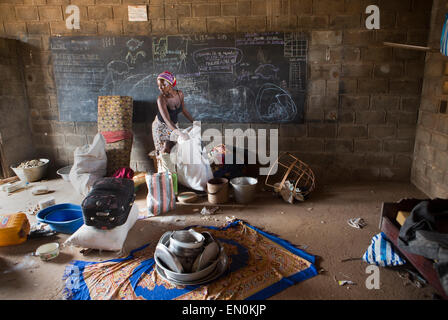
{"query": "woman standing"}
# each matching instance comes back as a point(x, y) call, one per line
point(170, 103)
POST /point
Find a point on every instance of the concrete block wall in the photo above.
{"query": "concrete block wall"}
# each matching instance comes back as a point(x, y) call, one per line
point(362, 99)
point(15, 134)
point(430, 161)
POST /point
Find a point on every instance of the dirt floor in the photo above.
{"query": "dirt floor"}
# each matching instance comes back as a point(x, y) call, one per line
point(319, 226)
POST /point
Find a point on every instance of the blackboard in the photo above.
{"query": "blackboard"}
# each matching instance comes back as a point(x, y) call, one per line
point(229, 78)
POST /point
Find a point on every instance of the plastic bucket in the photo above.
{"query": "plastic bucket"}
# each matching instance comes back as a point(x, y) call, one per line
point(244, 189)
point(218, 190)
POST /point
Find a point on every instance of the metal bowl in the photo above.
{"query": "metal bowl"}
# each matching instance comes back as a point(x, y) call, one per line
point(31, 174)
point(186, 243)
point(194, 276)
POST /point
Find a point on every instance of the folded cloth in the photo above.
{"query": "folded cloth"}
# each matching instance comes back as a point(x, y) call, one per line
point(114, 136)
point(124, 173)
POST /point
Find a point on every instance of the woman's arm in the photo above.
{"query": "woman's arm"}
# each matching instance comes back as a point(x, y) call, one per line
point(163, 109)
point(184, 110)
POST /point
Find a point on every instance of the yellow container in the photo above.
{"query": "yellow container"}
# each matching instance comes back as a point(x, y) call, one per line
point(14, 228)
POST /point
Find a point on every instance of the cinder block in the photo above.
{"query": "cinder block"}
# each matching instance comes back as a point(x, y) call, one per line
point(285, 23)
point(417, 20)
point(38, 27)
point(405, 86)
point(373, 86)
point(221, 25)
point(410, 104)
point(98, 13)
point(369, 146)
point(406, 132)
point(26, 13)
point(370, 117)
point(355, 102)
point(318, 130)
point(292, 130)
point(345, 21)
point(15, 29)
point(388, 70)
point(377, 54)
point(313, 22)
point(352, 131)
point(366, 174)
point(229, 9)
point(76, 140)
point(396, 174)
point(422, 135)
point(398, 145)
point(401, 118)
point(191, 25)
point(328, 6)
point(110, 27)
point(323, 102)
point(403, 161)
point(301, 7)
point(358, 37)
point(399, 36)
point(251, 24)
point(177, 11)
point(359, 70)
point(348, 86)
point(339, 145)
point(328, 38)
point(7, 12)
point(206, 10)
point(137, 28)
point(384, 102)
point(50, 13)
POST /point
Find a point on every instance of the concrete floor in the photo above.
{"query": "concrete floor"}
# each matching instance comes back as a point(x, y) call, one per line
point(317, 225)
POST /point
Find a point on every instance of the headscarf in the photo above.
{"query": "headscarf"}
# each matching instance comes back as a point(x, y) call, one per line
point(167, 76)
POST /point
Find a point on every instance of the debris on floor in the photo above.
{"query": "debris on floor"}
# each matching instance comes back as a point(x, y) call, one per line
point(345, 282)
point(27, 263)
point(413, 278)
point(357, 223)
point(207, 212)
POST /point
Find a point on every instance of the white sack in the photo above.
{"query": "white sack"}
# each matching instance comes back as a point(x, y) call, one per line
point(111, 240)
point(90, 164)
point(193, 166)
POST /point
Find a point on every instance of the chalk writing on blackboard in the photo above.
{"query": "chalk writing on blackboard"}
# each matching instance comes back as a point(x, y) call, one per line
point(234, 77)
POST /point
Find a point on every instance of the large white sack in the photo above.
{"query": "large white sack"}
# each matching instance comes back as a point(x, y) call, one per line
point(90, 164)
point(192, 163)
point(111, 240)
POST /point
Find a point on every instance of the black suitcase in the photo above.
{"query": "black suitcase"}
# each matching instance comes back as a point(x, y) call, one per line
point(108, 203)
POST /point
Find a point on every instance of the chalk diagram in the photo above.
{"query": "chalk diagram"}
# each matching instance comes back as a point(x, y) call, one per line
point(217, 59)
point(169, 55)
point(275, 104)
point(133, 45)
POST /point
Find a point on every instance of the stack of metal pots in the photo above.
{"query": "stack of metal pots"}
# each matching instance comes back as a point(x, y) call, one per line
point(187, 257)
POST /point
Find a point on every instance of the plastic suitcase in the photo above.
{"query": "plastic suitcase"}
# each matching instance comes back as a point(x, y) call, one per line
point(108, 203)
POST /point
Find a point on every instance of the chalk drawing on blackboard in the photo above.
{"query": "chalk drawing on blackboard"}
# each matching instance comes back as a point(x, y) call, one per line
point(275, 104)
point(296, 75)
point(217, 59)
point(242, 104)
point(108, 42)
point(133, 45)
point(296, 45)
point(117, 72)
point(267, 72)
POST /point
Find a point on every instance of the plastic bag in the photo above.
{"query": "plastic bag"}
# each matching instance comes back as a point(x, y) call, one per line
point(161, 197)
point(382, 253)
point(90, 164)
point(192, 163)
point(111, 240)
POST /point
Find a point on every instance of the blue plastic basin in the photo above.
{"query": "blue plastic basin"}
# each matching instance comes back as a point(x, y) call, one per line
point(63, 218)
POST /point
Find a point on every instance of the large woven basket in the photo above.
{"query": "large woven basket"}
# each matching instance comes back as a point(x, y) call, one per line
point(115, 114)
point(290, 168)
